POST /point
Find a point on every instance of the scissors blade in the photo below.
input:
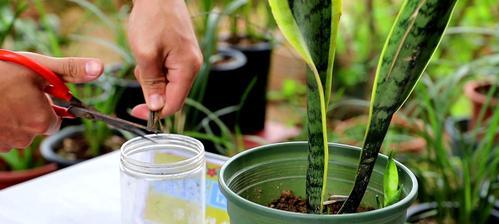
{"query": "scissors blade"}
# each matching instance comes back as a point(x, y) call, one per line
point(118, 123)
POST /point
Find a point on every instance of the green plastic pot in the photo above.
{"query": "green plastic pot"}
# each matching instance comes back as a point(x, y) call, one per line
point(252, 179)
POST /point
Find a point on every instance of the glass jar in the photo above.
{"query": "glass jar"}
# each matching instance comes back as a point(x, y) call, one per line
point(163, 181)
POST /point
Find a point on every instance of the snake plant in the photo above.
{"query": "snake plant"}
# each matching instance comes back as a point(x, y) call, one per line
point(311, 26)
point(414, 37)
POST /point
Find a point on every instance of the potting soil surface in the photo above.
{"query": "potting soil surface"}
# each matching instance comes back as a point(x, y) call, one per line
point(288, 201)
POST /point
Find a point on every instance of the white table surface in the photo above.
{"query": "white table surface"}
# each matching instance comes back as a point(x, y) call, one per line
point(86, 193)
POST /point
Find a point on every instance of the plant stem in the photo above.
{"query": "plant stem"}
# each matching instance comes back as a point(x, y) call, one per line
point(373, 140)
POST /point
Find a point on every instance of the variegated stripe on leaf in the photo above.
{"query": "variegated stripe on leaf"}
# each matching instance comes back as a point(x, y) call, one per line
point(311, 27)
point(415, 35)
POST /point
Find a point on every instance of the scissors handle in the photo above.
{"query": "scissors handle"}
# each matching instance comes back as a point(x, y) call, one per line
point(63, 112)
point(56, 86)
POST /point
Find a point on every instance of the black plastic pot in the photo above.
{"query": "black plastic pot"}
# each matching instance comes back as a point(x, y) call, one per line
point(129, 93)
point(226, 83)
point(456, 128)
point(422, 211)
point(50, 144)
point(223, 90)
point(253, 111)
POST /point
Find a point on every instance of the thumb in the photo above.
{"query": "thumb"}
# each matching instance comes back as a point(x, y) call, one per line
point(70, 69)
point(153, 83)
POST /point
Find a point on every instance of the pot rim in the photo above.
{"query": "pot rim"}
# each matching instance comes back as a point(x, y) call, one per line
point(239, 60)
point(470, 90)
point(17, 174)
point(407, 200)
point(47, 147)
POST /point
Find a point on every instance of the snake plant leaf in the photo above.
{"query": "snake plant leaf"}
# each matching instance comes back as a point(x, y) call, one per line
point(391, 189)
point(415, 35)
point(311, 27)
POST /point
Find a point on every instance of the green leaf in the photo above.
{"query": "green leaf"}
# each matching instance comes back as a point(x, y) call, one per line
point(6, 29)
point(415, 35)
point(391, 182)
point(311, 27)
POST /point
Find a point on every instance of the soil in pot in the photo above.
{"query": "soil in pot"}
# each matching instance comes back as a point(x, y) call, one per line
point(252, 179)
point(77, 148)
point(290, 202)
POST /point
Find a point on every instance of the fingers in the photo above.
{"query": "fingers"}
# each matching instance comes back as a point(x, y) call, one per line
point(18, 140)
point(152, 79)
point(179, 84)
point(141, 111)
point(38, 115)
point(176, 90)
point(71, 69)
point(183, 66)
point(26, 111)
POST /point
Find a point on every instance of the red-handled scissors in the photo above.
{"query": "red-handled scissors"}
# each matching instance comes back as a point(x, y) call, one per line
point(75, 108)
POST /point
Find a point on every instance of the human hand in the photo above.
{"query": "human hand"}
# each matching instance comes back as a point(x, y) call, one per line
point(167, 53)
point(25, 109)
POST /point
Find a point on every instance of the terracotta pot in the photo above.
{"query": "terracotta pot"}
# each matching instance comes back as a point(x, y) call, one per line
point(474, 90)
point(414, 145)
point(9, 178)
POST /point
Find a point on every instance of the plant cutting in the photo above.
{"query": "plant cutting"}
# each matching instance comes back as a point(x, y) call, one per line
point(311, 27)
point(19, 165)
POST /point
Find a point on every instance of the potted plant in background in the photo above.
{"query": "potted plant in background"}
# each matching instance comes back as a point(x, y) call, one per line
point(75, 144)
point(402, 136)
point(311, 27)
point(458, 127)
point(128, 92)
point(221, 65)
point(479, 92)
point(460, 187)
point(19, 165)
point(245, 96)
point(255, 42)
